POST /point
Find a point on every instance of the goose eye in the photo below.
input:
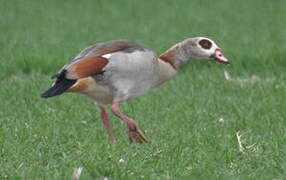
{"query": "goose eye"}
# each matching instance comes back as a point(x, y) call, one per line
point(206, 44)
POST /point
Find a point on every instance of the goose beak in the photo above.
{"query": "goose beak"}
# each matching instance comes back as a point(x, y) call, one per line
point(219, 57)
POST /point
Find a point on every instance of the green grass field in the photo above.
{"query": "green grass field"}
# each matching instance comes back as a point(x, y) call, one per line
point(192, 120)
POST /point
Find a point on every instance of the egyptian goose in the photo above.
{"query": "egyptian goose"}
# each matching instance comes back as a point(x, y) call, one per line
point(115, 71)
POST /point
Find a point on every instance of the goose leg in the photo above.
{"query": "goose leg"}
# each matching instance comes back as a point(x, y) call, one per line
point(135, 133)
point(106, 124)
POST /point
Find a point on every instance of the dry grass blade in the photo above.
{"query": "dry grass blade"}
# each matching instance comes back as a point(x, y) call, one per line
point(241, 81)
point(76, 173)
point(241, 148)
point(154, 154)
point(226, 75)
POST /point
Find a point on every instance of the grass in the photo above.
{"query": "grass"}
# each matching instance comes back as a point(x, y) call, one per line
point(47, 139)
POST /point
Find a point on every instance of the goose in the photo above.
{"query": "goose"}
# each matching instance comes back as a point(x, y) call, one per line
point(113, 72)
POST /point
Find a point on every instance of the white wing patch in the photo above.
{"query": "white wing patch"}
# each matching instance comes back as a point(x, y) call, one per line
point(107, 56)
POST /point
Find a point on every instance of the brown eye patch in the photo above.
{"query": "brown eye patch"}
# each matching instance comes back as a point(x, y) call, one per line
point(206, 44)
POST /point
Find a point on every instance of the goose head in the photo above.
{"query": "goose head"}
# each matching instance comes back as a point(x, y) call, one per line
point(203, 48)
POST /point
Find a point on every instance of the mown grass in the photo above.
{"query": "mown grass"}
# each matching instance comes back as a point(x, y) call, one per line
point(47, 139)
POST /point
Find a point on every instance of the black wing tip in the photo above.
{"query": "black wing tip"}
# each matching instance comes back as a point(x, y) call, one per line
point(59, 88)
point(46, 95)
point(43, 95)
point(51, 92)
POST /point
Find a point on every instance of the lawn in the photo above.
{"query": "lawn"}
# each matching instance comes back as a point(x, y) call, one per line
point(192, 120)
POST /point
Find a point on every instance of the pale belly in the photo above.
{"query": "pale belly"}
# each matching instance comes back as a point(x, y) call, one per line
point(103, 94)
point(99, 93)
point(121, 90)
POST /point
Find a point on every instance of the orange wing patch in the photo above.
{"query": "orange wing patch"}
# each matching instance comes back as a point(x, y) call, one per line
point(81, 85)
point(95, 62)
point(86, 67)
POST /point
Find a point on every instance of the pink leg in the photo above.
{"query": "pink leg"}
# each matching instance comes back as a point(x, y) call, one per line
point(135, 133)
point(105, 120)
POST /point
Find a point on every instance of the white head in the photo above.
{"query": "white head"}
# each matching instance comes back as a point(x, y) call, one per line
point(193, 48)
point(202, 48)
